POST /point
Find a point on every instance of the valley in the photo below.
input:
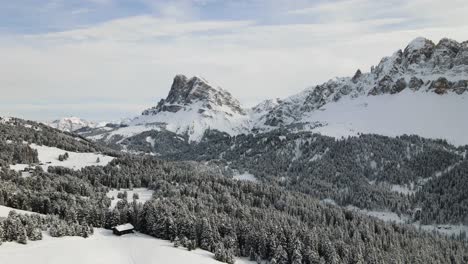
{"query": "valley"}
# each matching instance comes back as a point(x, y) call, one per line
point(364, 169)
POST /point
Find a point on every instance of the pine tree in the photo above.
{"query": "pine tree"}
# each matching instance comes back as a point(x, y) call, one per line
point(176, 242)
point(280, 255)
point(1, 233)
point(22, 236)
point(220, 252)
point(36, 234)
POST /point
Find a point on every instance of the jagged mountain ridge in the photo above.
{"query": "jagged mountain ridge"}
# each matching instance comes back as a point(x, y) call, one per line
point(394, 98)
point(422, 66)
point(71, 124)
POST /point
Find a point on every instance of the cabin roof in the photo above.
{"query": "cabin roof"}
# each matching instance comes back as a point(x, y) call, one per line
point(124, 227)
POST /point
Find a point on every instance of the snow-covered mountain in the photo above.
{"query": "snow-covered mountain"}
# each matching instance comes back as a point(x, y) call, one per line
point(419, 90)
point(71, 124)
point(192, 106)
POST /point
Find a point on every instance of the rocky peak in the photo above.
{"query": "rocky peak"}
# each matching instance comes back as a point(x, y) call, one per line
point(356, 76)
point(418, 50)
point(186, 92)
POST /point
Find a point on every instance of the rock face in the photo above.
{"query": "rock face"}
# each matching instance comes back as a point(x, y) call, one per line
point(184, 92)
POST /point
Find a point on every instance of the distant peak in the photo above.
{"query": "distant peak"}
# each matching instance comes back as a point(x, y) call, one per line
point(418, 44)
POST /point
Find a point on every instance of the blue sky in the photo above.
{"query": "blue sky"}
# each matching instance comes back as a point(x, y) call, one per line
point(105, 59)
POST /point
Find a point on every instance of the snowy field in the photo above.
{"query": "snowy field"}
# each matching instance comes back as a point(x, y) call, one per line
point(103, 248)
point(445, 229)
point(143, 193)
point(448, 230)
point(382, 215)
point(245, 177)
point(48, 156)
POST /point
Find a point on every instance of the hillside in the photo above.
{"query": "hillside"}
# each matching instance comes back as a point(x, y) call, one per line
point(194, 205)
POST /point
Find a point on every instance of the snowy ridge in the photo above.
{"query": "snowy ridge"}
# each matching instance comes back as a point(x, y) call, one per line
point(71, 124)
point(392, 99)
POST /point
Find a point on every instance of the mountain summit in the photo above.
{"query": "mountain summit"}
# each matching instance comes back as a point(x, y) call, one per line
point(186, 92)
point(192, 107)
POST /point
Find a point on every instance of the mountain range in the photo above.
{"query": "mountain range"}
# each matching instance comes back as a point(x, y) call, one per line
point(419, 90)
point(324, 176)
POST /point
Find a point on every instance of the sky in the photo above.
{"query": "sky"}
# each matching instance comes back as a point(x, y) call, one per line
point(110, 59)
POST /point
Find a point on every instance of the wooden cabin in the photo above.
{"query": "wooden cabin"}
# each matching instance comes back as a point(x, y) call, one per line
point(123, 229)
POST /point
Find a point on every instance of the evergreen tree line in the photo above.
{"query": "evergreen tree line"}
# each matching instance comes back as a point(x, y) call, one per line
point(23, 227)
point(353, 171)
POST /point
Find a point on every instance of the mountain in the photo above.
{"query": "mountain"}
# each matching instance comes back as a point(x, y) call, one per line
point(71, 124)
point(192, 107)
point(394, 98)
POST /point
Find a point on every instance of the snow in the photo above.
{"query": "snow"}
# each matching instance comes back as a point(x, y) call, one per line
point(189, 120)
point(328, 201)
point(124, 227)
point(382, 215)
point(245, 177)
point(319, 156)
point(297, 150)
point(144, 195)
point(103, 247)
point(48, 156)
point(423, 113)
point(386, 216)
point(403, 189)
point(417, 44)
point(448, 230)
point(73, 123)
point(151, 141)
point(5, 210)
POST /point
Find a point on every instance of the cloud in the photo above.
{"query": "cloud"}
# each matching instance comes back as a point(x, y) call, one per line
point(421, 12)
point(132, 60)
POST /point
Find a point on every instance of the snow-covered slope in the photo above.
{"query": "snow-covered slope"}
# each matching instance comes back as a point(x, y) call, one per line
point(70, 124)
point(421, 90)
point(425, 114)
point(48, 156)
point(5, 210)
point(192, 106)
point(103, 247)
